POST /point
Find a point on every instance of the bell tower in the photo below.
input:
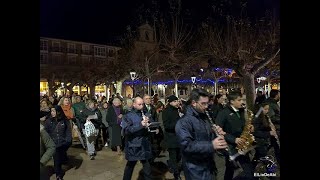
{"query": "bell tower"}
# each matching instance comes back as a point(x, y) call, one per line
point(146, 33)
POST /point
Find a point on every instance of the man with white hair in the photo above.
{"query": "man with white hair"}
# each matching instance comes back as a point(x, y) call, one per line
point(114, 118)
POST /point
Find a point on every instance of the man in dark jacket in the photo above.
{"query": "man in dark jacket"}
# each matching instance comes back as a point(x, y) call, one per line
point(197, 141)
point(232, 120)
point(170, 116)
point(137, 142)
point(155, 138)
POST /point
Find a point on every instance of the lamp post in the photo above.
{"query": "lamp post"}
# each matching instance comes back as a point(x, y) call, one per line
point(193, 79)
point(133, 76)
point(164, 92)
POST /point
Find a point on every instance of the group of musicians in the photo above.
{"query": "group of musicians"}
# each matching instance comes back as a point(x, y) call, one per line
point(191, 139)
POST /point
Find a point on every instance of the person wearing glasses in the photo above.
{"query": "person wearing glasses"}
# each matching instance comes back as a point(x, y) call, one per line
point(197, 141)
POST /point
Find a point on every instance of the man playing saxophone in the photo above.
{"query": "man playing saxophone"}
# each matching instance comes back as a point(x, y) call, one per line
point(232, 120)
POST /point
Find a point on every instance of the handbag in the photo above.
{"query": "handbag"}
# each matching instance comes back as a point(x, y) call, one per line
point(89, 129)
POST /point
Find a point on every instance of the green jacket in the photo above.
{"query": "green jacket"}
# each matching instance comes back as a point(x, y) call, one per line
point(47, 146)
point(78, 107)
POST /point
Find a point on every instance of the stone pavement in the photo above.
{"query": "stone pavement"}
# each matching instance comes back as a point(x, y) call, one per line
point(106, 166)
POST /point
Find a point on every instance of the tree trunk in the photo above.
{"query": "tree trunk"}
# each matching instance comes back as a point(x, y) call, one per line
point(119, 87)
point(249, 86)
point(148, 86)
point(70, 89)
point(92, 87)
point(215, 87)
point(52, 87)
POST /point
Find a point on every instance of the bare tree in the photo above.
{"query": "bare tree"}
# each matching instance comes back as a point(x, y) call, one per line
point(245, 46)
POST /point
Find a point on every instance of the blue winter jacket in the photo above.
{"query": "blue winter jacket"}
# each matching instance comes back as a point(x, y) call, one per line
point(195, 139)
point(137, 141)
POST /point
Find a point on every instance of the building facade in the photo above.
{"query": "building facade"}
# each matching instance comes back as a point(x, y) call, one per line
point(59, 57)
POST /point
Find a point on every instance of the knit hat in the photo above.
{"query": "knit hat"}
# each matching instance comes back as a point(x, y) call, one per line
point(172, 98)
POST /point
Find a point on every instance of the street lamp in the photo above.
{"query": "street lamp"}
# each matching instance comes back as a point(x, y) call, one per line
point(133, 76)
point(193, 79)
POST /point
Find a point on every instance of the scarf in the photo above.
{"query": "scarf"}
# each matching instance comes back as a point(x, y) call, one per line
point(67, 111)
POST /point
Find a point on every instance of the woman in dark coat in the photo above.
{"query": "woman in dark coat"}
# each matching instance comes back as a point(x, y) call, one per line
point(59, 129)
point(262, 133)
point(114, 118)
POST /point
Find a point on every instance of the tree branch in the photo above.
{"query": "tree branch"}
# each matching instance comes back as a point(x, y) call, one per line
point(257, 67)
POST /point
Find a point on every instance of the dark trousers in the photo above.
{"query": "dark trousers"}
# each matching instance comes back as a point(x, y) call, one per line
point(174, 159)
point(130, 167)
point(276, 147)
point(105, 134)
point(44, 174)
point(59, 157)
point(246, 165)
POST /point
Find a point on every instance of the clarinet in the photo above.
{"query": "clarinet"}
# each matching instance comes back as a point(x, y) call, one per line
point(215, 130)
point(143, 118)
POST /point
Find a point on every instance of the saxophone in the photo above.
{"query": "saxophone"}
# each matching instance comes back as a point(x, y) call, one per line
point(246, 134)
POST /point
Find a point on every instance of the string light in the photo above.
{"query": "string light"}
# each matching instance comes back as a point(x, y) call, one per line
point(201, 81)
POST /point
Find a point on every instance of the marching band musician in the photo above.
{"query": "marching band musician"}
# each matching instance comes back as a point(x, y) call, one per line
point(263, 131)
point(232, 120)
point(196, 139)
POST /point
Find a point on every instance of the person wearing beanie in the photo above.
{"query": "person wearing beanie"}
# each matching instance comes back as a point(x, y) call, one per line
point(170, 118)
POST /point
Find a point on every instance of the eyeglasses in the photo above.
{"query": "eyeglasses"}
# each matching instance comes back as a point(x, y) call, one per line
point(203, 103)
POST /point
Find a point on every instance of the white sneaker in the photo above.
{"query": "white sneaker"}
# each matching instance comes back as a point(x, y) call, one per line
point(106, 145)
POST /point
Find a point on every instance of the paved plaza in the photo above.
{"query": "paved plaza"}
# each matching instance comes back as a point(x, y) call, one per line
point(106, 166)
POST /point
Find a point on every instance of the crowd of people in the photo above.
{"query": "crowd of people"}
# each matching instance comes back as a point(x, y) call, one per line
point(199, 134)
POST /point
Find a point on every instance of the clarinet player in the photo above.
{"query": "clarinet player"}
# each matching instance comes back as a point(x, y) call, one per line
point(196, 139)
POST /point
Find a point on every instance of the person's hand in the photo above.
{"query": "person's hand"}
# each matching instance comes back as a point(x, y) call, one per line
point(219, 143)
point(239, 141)
point(120, 116)
point(43, 118)
point(220, 130)
point(273, 133)
point(251, 128)
point(157, 131)
point(144, 123)
point(88, 120)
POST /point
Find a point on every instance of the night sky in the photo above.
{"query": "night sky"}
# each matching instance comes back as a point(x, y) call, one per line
point(104, 21)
